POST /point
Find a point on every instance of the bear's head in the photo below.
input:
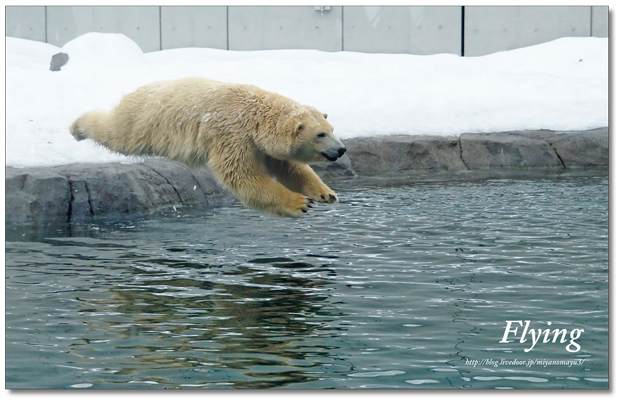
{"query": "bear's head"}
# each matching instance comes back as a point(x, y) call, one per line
point(312, 137)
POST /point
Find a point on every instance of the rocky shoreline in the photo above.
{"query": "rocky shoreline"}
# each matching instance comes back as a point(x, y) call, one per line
point(89, 192)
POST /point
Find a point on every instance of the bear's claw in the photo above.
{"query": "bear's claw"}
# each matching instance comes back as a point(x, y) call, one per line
point(324, 196)
point(308, 205)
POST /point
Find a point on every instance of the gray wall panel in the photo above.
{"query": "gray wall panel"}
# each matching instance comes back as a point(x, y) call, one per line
point(417, 30)
point(493, 29)
point(600, 21)
point(140, 24)
point(255, 28)
point(25, 22)
point(183, 27)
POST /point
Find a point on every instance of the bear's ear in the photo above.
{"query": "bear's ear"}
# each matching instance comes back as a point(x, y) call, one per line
point(298, 128)
point(325, 115)
point(289, 125)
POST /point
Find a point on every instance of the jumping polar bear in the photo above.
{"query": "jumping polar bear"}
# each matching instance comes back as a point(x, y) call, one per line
point(257, 143)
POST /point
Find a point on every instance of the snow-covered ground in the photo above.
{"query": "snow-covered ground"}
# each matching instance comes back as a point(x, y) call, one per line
point(560, 85)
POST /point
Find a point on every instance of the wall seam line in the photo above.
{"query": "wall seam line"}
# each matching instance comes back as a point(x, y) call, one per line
point(227, 30)
point(342, 28)
point(462, 31)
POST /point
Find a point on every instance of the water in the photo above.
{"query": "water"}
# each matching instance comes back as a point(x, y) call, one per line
point(407, 283)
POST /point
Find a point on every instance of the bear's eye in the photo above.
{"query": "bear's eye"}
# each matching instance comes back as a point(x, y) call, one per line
point(320, 135)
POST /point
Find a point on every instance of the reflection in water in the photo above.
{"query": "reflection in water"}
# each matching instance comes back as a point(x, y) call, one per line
point(395, 287)
point(210, 322)
point(230, 324)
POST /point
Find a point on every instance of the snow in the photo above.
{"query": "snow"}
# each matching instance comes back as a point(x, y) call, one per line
point(559, 85)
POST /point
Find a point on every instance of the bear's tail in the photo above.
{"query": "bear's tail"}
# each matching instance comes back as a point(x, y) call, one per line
point(93, 125)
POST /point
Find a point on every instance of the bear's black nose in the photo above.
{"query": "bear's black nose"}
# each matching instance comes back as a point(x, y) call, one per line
point(341, 151)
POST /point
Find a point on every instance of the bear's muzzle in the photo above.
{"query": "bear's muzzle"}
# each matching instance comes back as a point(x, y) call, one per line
point(335, 154)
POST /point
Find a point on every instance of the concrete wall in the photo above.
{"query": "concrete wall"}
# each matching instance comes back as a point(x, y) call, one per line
point(515, 27)
point(140, 24)
point(469, 31)
point(416, 30)
point(600, 21)
point(26, 22)
point(255, 28)
point(202, 27)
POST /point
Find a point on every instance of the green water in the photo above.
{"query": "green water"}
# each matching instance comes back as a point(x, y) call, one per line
point(406, 283)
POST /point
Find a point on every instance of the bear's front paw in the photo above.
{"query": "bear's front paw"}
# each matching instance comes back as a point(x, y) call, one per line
point(329, 198)
point(322, 194)
point(297, 206)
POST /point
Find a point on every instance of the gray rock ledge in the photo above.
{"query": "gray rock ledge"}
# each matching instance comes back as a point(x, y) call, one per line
point(517, 149)
point(92, 192)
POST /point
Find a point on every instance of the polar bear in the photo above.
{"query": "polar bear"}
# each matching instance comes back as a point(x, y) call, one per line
point(257, 143)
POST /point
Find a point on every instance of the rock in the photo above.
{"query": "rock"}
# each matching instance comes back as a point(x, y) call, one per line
point(58, 60)
point(180, 179)
point(18, 207)
point(114, 191)
point(215, 194)
point(89, 192)
point(14, 179)
point(36, 195)
point(80, 208)
point(506, 150)
point(385, 154)
point(197, 188)
point(578, 149)
point(18, 202)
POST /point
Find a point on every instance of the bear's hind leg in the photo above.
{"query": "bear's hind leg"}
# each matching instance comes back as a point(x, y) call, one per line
point(93, 125)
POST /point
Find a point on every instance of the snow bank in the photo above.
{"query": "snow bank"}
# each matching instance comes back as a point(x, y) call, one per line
point(560, 85)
